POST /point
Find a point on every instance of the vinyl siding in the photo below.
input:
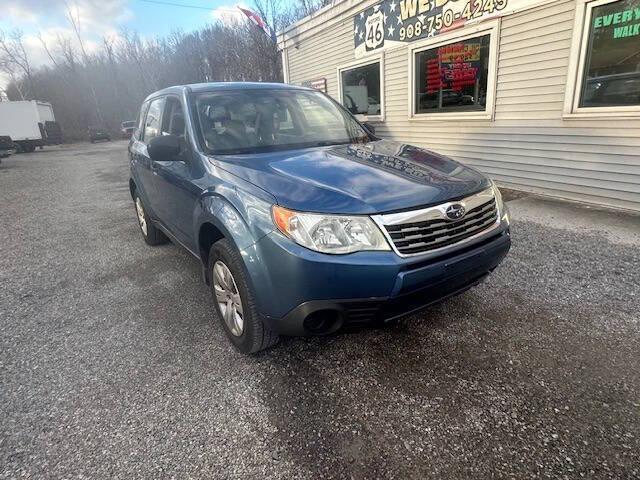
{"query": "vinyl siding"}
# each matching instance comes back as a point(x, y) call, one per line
point(528, 145)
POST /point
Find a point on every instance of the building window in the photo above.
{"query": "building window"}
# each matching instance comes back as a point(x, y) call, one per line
point(611, 69)
point(604, 67)
point(361, 89)
point(453, 77)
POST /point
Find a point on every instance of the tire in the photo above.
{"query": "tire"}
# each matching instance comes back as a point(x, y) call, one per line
point(152, 235)
point(26, 147)
point(254, 336)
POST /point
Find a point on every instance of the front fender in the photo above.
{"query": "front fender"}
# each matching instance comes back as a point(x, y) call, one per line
point(242, 219)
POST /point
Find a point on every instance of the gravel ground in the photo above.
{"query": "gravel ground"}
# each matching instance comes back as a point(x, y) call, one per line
point(113, 365)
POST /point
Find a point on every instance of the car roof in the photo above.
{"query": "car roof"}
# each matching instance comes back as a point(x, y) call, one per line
point(222, 86)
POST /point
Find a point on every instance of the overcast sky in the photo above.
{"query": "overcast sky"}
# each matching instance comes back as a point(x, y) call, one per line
point(101, 18)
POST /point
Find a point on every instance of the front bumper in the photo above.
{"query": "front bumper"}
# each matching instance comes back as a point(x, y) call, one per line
point(296, 284)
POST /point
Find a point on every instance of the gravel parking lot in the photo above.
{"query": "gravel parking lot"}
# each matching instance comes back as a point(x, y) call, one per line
point(112, 364)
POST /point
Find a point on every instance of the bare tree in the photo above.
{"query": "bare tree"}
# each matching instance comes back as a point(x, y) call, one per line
point(74, 20)
point(45, 47)
point(14, 59)
point(68, 53)
point(133, 52)
point(307, 7)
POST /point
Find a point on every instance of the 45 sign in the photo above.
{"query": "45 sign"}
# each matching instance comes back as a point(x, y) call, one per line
point(374, 31)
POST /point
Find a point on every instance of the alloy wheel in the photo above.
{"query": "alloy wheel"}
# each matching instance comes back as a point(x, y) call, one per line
point(141, 218)
point(228, 298)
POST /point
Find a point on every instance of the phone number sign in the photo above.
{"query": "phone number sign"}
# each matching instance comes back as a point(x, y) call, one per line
point(393, 23)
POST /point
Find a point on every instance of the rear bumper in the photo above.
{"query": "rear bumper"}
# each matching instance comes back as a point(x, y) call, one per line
point(406, 287)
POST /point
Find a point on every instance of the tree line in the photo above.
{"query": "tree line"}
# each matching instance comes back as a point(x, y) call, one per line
point(106, 86)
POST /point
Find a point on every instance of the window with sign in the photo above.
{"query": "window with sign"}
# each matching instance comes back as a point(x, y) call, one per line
point(611, 59)
point(361, 89)
point(453, 77)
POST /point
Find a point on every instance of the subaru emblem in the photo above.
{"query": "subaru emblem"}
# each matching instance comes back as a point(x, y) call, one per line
point(455, 211)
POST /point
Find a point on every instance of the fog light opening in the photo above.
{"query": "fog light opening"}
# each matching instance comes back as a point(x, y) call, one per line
point(323, 322)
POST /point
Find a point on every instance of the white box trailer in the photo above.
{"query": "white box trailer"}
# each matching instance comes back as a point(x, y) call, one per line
point(30, 124)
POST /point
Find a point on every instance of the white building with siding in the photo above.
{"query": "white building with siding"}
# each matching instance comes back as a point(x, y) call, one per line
point(544, 96)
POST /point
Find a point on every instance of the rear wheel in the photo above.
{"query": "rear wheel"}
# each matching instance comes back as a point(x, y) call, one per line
point(234, 300)
point(151, 234)
point(26, 147)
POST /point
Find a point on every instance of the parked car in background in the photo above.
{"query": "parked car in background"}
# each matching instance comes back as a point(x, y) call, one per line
point(127, 129)
point(618, 89)
point(30, 124)
point(98, 133)
point(449, 98)
point(6, 146)
point(303, 220)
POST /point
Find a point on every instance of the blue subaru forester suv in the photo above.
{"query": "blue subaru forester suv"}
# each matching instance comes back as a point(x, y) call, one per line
point(304, 221)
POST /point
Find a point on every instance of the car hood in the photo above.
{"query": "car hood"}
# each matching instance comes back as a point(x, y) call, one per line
point(369, 178)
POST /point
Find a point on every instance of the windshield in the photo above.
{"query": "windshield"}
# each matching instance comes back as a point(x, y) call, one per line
point(261, 120)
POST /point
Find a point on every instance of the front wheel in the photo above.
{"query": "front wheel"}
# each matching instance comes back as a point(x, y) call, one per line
point(234, 300)
point(151, 234)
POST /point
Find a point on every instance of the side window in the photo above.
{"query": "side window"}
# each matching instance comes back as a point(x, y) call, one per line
point(285, 120)
point(139, 121)
point(152, 122)
point(173, 122)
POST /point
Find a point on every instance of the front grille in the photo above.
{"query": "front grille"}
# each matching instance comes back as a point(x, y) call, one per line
point(422, 237)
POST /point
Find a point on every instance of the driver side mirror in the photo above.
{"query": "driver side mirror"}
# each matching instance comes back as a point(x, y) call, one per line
point(370, 128)
point(164, 148)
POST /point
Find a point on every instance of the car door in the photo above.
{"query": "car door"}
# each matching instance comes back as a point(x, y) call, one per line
point(142, 163)
point(176, 180)
point(136, 160)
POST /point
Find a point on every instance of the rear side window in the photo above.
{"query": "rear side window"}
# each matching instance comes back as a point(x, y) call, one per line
point(152, 122)
point(139, 121)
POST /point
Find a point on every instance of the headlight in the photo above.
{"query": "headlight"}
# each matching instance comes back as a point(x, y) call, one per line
point(502, 208)
point(330, 233)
